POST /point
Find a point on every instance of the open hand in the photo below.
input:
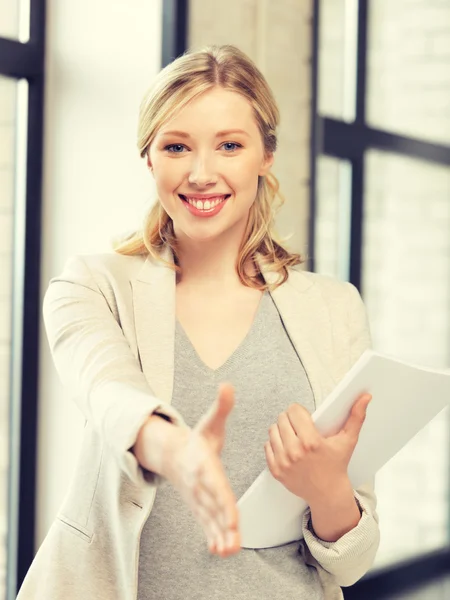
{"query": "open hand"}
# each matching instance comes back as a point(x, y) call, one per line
point(307, 463)
point(195, 469)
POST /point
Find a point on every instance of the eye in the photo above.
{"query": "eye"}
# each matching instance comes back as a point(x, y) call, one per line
point(234, 146)
point(174, 148)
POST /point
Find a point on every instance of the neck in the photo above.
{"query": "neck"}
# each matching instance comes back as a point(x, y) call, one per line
point(208, 263)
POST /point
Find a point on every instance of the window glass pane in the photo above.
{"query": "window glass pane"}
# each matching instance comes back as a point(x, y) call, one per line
point(7, 151)
point(337, 58)
point(408, 72)
point(14, 19)
point(406, 289)
point(332, 220)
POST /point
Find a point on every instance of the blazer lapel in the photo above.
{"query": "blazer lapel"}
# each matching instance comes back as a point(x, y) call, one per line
point(299, 303)
point(154, 315)
point(307, 322)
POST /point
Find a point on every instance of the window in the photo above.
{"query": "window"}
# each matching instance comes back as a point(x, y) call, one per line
point(21, 111)
point(381, 213)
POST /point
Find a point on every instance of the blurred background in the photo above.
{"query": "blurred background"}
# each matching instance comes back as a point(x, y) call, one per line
point(364, 163)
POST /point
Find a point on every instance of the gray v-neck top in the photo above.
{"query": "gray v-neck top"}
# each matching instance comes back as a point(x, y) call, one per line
point(174, 561)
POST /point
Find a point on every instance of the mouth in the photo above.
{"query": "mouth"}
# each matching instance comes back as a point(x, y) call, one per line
point(206, 204)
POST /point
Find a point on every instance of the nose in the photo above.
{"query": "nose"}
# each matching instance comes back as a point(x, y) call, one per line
point(202, 172)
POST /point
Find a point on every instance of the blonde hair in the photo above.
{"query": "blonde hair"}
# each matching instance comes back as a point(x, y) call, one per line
point(177, 84)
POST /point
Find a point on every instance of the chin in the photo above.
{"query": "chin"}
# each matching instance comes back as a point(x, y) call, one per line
point(209, 230)
point(202, 236)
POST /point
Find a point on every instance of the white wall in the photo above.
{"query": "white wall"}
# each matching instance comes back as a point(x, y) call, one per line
point(101, 56)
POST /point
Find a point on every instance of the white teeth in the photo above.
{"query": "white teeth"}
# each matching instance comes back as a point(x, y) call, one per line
point(207, 205)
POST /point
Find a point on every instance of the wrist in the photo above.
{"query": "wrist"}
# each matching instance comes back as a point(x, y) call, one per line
point(155, 444)
point(335, 513)
point(337, 492)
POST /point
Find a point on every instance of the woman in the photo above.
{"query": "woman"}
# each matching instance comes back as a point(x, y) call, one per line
point(204, 303)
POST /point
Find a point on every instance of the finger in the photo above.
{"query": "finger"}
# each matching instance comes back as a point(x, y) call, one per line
point(230, 513)
point(218, 536)
point(208, 525)
point(217, 484)
point(355, 421)
point(300, 419)
point(213, 422)
point(207, 501)
point(303, 426)
point(276, 442)
point(287, 433)
point(233, 543)
point(216, 507)
point(270, 458)
point(213, 520)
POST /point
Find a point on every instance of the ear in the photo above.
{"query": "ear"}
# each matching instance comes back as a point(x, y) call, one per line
point(149, 164)
point(266, 164)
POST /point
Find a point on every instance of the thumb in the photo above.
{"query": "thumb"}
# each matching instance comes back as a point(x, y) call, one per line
point(212, 424)
point(355, 421)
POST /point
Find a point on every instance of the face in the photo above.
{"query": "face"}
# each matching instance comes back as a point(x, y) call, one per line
point(206, 162)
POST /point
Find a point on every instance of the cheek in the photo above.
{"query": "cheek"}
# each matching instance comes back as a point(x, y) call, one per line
point(167, 176)
point(243, 176)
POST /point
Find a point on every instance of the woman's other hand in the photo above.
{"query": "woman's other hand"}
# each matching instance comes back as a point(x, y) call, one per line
point(190, 460)
point(306, 463)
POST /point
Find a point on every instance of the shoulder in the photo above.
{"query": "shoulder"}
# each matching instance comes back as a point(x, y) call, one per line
point(342, 298)
point(112, 262)
point(100, 271)
point(326, 285)
point(106, 264)
point(342, 302)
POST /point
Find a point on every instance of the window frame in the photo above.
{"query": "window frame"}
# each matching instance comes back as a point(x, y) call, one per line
point(174, 29)
point(349, 141)
point(25, 60)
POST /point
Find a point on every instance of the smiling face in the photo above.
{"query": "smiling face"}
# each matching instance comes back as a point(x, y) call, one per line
point(206, 162)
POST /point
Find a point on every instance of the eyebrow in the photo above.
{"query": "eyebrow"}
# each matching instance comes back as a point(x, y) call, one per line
point(183, 134)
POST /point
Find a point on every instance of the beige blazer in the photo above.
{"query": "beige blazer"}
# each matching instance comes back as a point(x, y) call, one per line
point(110, 321)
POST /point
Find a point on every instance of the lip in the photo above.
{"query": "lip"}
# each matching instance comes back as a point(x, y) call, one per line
point(201, 213)
point(203, 196)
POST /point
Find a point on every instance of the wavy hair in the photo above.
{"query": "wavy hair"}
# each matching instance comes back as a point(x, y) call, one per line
point(190, 75)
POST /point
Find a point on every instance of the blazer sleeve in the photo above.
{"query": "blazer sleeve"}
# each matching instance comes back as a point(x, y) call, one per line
point(95, 362)
point(352, 555)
